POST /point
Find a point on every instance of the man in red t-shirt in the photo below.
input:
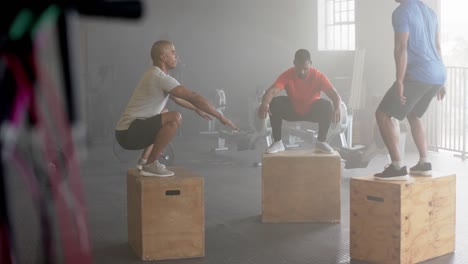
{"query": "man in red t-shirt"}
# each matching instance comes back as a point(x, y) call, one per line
point(303, 85)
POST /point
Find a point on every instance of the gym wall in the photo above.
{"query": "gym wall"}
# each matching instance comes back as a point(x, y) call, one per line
point(237, 46)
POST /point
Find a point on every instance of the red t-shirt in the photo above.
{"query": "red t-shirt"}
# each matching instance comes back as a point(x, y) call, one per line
point(303, 92)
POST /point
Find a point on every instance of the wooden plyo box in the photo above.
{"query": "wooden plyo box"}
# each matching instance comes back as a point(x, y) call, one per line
point(402, 221)
point(301, 186)
point(166, 216)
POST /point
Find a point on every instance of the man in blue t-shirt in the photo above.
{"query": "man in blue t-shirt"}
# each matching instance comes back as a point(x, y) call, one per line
point(420, 75)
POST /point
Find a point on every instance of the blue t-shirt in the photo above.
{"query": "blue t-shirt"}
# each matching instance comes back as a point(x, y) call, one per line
point(424, 62)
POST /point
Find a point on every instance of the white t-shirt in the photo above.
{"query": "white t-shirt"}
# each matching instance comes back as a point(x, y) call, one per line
point(149, 98)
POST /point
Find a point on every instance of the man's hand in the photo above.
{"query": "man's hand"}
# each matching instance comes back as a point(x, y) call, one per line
point(203, 114)
point(263, 110)
point(399, 90)
point(336, 115)
point(228, 122)
point(441, 94)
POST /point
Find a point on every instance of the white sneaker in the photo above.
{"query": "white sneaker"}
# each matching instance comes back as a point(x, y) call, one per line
point(275, 147)
point(156, 169)
point(323, 147)
point(143, 161)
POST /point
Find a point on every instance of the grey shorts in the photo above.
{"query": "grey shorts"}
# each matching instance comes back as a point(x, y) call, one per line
point(418, 98)
point(140, 134)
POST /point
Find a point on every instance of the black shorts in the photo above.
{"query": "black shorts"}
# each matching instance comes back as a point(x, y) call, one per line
point(140, 134)
point(418, 98)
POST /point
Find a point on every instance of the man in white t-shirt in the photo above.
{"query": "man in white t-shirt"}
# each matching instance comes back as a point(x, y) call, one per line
point(144, 124)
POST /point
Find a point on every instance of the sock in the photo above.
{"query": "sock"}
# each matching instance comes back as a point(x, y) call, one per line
point(423, 160)
point(396, 164)
point(143, 160)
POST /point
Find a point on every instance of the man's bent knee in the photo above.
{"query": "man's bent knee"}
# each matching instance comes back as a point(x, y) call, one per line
point(172, 117)
point(379, 114)
point(326, 105)
point(275, 104)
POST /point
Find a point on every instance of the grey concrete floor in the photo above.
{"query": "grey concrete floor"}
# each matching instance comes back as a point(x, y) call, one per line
point(234, 232)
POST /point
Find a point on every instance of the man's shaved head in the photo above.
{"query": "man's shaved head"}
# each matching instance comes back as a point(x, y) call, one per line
point(159, 48)
point(164, 55)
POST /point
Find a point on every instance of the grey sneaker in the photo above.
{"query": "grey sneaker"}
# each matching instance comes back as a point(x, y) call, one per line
point(143, 161)
point(156, 169)
point(275, 147)
point(323, 147)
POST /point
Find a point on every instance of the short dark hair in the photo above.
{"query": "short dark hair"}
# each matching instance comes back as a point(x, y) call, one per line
point(302, 55)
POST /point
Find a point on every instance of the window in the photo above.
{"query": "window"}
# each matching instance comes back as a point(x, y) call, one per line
point(336, 25)
point(454, 36)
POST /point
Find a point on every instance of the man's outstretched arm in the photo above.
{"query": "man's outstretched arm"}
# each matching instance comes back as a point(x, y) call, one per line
point(190, 106)
point(201, 103)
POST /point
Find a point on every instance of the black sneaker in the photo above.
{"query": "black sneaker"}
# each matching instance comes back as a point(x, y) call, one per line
point(390, 173)
point(424, 169)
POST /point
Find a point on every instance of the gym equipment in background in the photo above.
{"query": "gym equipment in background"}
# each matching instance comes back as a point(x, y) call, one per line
point(220, 104)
